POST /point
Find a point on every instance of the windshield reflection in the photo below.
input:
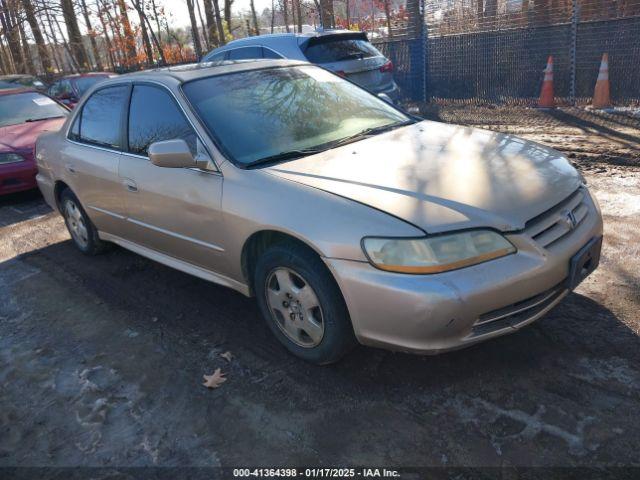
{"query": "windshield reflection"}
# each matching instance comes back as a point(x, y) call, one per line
point(261, 113)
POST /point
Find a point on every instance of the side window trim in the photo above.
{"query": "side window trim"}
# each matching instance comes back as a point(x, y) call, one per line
point(78, 118)
point(264, 47)
point(162, 88)
point(182, 112)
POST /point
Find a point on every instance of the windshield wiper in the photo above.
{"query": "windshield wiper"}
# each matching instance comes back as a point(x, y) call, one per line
point(283, 156)
point(30, 120)
point(369, 132)
point(294, 154)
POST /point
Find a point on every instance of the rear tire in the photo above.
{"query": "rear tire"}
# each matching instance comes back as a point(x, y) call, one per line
point(302, 304)
point(83, 233)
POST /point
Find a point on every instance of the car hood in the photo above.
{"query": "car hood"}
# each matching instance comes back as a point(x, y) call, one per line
point(23, 136)
point(442, 177)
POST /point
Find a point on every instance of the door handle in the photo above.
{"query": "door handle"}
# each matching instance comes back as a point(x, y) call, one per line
point(131, 185)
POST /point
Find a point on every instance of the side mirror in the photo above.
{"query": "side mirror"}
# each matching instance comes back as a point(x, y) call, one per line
point(385, 97)
point(171, 154)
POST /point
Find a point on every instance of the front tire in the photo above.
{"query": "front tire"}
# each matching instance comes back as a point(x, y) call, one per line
point(83, 233)
point(302, 304)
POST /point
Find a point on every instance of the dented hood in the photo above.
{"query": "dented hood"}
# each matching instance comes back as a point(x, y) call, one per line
point(442, 177)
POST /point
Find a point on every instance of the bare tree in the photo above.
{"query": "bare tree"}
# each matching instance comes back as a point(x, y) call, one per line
point(52, 38)
point(254, 17)
point(148, 30)
point(221, 34)
point(273, 14)
point(227, 12)
point(144, 30)
point(296, 4)
point(91, 33)
point(73, 31)
point(43, 53)
point(212, 30)
point(73, 61)
point(387, 14)
point(107, 40)
point(13, 37)
point(130, 43)
point(348, 13)
point(156, 16)
point(26, 54)
point(326, 13)
point(285, 15)
point(206, 40)
point(194, 29)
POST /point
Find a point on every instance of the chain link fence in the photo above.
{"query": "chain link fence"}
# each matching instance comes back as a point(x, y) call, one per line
point(495, 50)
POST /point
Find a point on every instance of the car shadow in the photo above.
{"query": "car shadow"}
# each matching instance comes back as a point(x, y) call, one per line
point(179, 306)
point(21, 206)
point(157, 331)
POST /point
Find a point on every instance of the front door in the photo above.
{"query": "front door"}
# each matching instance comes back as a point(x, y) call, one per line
point(175, 211)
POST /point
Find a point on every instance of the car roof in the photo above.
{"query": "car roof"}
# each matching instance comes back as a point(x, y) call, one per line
point(87, 74)
point(292, 35)
point(192, 71)
point(15, 76)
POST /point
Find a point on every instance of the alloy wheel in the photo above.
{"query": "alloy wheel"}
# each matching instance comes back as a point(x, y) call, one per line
point(295, 307)
point(75, 223)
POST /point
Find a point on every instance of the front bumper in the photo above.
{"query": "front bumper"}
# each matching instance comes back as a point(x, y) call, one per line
point(430, 314)
point(17, 177)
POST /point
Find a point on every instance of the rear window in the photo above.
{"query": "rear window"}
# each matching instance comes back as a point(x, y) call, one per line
point(337, 49)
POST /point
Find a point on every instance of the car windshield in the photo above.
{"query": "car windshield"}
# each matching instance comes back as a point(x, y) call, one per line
point(258, 115)
point(27, 81)
point(336, 49)
point(28, 107)
point(85, 83)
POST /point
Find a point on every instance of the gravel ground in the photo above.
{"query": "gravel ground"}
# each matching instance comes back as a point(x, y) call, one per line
point(101, 359)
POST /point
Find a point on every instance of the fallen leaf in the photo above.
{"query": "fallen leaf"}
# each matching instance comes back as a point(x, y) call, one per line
point(227, 355)
point(214, 380)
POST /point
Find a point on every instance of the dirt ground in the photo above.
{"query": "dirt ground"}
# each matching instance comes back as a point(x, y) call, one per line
point(101, 359)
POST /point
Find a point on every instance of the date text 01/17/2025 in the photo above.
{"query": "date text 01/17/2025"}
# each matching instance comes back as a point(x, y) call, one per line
point(316, 472)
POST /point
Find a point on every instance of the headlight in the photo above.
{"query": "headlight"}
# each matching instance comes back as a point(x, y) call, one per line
point(438, 253)
point(10, 158)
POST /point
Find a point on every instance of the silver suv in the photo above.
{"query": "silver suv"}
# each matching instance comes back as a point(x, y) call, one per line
point(349, 54)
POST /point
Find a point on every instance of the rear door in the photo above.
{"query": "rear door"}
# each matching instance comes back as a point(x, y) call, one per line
point(352, 56)
point(175, 211)
point(91, 156)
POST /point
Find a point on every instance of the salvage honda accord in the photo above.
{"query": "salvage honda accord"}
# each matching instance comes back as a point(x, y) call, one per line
point(349, 220)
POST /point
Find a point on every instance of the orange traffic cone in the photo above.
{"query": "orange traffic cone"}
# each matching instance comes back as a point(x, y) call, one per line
point(601, 95)
point(547, 99)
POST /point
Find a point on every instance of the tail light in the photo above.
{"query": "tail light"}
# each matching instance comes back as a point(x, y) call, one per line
point(387, 67)
point(341, 73)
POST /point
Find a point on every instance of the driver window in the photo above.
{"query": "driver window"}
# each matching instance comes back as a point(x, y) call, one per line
point(154, 116)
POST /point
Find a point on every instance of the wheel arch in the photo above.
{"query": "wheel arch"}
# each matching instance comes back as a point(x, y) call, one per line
point(258, 242)
point(59, 187)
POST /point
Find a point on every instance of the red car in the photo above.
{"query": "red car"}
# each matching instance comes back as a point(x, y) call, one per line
point(24, 114)
point(69, 89)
